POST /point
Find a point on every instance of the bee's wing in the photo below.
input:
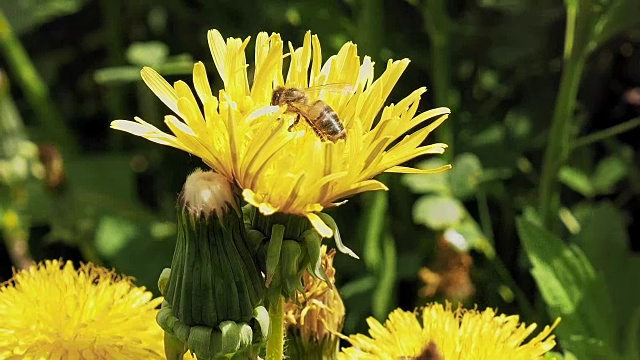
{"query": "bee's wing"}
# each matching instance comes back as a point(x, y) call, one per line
point(342, 88)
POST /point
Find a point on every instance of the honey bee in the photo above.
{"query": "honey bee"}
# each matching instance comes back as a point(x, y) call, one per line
point(321, 117)
point(431, 352)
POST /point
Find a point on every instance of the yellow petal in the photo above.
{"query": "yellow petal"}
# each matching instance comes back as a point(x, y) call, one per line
point(160, 88)
point(319, 225)
point(201, 82)
point(218, 50)
point(408, 170)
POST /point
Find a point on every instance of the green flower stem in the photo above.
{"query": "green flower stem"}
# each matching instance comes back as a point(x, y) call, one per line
point(437, 25)
point(275, 342)
point(560, 138)
point(34, 88)
point(607, 133)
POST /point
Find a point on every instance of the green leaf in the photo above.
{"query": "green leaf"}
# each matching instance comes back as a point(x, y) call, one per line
point(24, 15)
point(490, 135)
point(518, 124)
point(577, 180)
point(632, 337)
point(465, 175)
point(438, 212)
point(608, 173)
point(117, 75)
point(572, 289)
point(150, 53)
point(122, 242)
point(474, 236)
point(114, 234)
point(358, 286)
point(605, 242)
point(106, 179)
point(176, 65)
point(97, 186)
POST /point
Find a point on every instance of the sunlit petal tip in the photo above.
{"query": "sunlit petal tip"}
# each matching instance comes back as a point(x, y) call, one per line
point(146, 70)
point(321, 227)
point(134, 128)
point(267, 209)
point(265, 110)
point(118, 124)
point(339, 203)
point(214, 33)
point(250, 197)
point(199, 66)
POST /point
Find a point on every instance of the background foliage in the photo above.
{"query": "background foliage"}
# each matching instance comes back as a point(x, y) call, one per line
point(537, 217)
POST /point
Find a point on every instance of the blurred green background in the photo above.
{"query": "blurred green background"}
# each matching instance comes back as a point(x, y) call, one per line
point(537, 217)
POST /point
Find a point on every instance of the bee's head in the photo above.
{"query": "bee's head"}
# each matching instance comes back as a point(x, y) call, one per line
point(276, 97)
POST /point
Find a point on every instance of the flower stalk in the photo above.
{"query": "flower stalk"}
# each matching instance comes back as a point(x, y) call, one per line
point(560, 137)
point(275, 342)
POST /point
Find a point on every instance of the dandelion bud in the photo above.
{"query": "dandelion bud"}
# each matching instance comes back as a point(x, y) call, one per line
point(214, 291)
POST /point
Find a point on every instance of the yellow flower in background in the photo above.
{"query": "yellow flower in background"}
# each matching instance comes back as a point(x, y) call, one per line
point(437, 332)
point(53, 311)
point(242, 136)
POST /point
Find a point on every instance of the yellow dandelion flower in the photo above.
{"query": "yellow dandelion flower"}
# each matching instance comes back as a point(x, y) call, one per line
point(281, 167)
point(437, 332)
point(53, 311)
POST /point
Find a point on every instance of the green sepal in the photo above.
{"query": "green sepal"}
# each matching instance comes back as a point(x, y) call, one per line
point(336, 235)
point(290, 268)
point(273, 251)
point(201, 340)
point(254, 239)
point(312, 241)
point(261, 315)
point(163, 280)
point(230, 340)
point(174, 349)
point(235, 337)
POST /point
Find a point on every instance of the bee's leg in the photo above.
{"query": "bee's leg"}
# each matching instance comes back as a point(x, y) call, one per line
point(295, 122)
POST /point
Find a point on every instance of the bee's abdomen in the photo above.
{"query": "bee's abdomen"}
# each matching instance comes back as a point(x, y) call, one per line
point(330, 124)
